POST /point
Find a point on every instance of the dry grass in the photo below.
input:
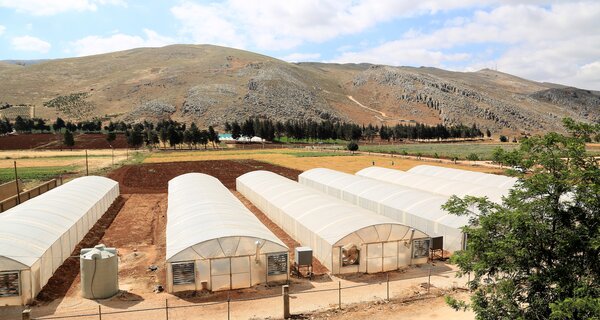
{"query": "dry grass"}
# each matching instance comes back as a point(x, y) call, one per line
point(28, 158)
point(288, 158)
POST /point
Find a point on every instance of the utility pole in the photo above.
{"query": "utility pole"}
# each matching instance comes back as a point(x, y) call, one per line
point(17, 184)
point(87, 171)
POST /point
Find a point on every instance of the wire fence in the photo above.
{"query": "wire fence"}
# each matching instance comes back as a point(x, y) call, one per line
point(273, 305)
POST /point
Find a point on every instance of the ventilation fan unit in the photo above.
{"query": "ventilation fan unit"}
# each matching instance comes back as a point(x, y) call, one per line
point(350, 255)
point(421, 248)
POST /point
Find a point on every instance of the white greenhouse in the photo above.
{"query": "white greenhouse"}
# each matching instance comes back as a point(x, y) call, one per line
point(415, 208)
point(214, 242)
point(480, 178)
point(344, 238)
point(37, 236)
point(438, 185)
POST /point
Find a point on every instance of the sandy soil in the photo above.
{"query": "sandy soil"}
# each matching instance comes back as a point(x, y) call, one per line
point(286, 158)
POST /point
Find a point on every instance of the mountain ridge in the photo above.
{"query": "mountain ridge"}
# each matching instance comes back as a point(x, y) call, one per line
point(211, 84)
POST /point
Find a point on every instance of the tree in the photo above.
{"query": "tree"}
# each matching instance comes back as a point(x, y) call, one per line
point(236, 130)
point(110, 137)
point(535, 256)
point(503, 138)
point(5, 126)
point(58, 124)
point(473, 157)
point(135, 138)
point(352, 146)
point(68, 139)
point(213, 136)
point(488, 133)
point(21, 125)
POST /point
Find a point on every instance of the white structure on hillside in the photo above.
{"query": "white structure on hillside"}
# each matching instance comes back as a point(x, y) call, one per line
point(483, 179)
point(37, 236)
point(434, 184)
point(345, 238)
point(415, 208)
point(214, 242)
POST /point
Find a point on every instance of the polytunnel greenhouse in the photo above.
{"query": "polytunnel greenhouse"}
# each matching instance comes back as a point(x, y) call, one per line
point(415, 208)
point(480, 178)
point(37, 236)
point(344, 238)
point(214, 242)
point(438, 185)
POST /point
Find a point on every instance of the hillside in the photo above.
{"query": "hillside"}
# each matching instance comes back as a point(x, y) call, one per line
point(211, 85)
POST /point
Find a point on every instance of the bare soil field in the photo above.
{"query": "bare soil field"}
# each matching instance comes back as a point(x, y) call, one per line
point(54, 141)
point(153, 177)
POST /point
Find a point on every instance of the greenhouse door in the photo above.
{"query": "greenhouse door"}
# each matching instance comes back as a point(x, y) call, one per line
point(240, 272)
point(374, 257)
point(230, 273)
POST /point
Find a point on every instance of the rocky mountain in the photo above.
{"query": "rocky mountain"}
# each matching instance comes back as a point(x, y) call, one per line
point(211, 85)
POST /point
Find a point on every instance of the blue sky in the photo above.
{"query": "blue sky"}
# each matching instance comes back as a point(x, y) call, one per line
point(555, 41)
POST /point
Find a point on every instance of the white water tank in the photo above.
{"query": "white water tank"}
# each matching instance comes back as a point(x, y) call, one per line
point(99, 272)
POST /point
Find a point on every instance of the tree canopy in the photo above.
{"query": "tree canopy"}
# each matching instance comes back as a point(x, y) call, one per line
point(537, 255)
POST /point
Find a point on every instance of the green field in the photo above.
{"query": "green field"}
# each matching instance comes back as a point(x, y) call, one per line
point(442, 150)
point(35, 173)
point(460, 151)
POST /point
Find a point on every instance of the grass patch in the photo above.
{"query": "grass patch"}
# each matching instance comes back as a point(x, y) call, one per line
point(442, 150)
point(35, 173)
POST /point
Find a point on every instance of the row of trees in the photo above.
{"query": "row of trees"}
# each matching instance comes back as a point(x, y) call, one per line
point(23, 125)
point(310, 130)
point(166, 132)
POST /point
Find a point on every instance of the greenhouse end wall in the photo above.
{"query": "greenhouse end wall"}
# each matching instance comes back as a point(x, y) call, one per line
point(327, 225)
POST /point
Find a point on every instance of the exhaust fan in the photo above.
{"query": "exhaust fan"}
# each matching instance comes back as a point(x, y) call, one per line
point(350, 255)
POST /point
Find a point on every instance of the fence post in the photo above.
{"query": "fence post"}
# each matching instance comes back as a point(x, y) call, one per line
point(167, 308)
point(100, 312)
point(340, 294)
point(388, 286)
point(26, 315)
point(285, 291)
point(228, 307)
point(429, 279)
point(17, 183)
point(87, 171)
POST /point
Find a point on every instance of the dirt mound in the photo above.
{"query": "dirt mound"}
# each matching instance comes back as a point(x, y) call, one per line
point(154, 177)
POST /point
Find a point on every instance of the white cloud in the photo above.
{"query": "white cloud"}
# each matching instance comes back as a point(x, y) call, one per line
point(29, 43)
point(51, 7)
point(557, 43)
point(278, 25)
point(301, 57)
point(96, 44)
point(2, 28)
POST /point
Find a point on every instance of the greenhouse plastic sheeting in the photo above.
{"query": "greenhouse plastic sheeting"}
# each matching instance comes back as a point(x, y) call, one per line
point(483, 179)
point(37, 236)
point(205, 221)
point(322, 222)
point(419, 209)
point(438, 185)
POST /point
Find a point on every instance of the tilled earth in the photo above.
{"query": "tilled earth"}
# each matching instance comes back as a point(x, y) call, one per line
point(154, 177)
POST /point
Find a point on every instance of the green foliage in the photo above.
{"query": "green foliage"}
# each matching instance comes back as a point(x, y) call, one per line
point(352, 146)
point(68, 139)
point(35, 173)
point(111, 136)
point(536, 255)
point(473, 157)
